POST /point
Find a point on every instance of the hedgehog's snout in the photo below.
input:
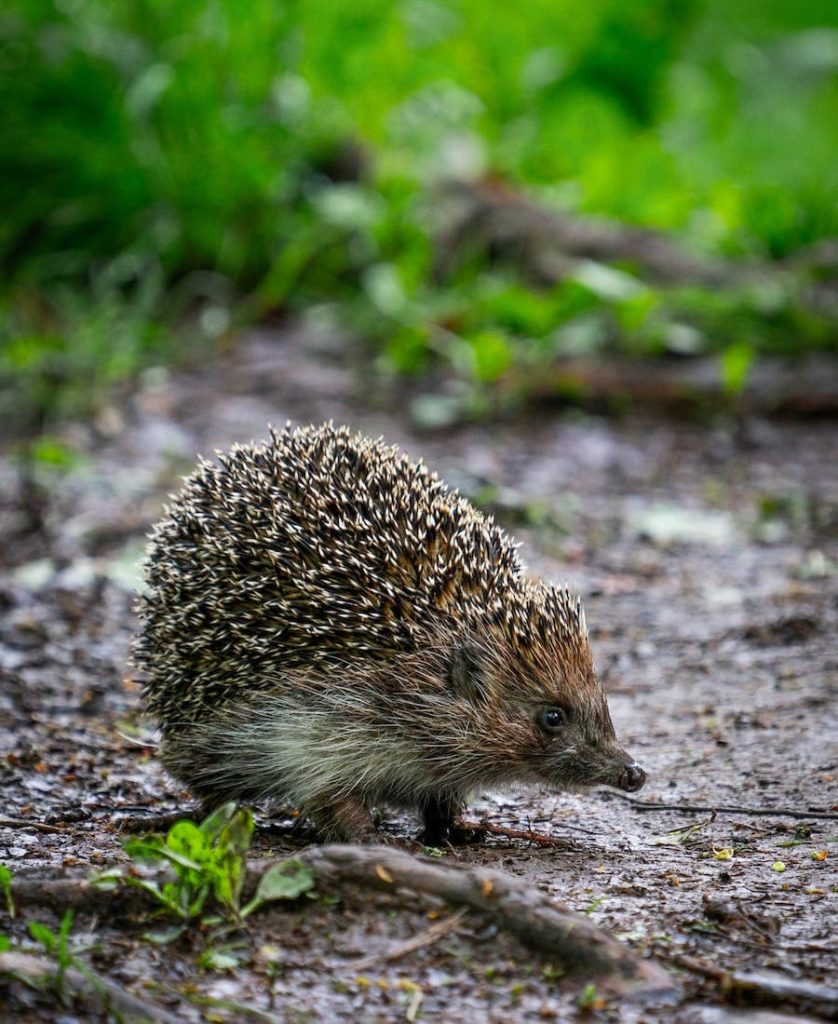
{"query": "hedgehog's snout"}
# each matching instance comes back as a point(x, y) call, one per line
point(632, 778)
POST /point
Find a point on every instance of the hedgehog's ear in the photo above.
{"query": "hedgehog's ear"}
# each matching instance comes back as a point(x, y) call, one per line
point(465, 674)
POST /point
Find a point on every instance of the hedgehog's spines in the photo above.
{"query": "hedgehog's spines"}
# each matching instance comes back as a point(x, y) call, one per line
point(319, 547)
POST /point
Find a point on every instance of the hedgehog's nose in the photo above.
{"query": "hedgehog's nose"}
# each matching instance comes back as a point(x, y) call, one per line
point(632, 778)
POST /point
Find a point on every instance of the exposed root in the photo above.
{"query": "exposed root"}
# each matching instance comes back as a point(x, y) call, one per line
point(40, 973)
point(151, 822)
point(571, 940)
point(536, 838)
point(38, 826)
point(763, 812)
point(765, 988)
point(424, 939)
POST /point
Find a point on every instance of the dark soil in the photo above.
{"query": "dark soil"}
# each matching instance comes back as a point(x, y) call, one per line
point(707, 559)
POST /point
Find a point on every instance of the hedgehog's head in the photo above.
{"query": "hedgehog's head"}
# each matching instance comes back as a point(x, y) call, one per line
point(534, 701)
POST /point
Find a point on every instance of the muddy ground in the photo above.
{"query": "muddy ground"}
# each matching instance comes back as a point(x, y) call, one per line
point(706, 556)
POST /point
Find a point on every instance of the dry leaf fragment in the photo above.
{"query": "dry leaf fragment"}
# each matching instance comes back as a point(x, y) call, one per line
point(384, 874)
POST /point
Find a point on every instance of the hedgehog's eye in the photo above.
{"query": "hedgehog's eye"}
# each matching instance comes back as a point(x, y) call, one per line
point(552, 719)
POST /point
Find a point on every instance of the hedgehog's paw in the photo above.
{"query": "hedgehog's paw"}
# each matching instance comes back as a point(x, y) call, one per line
point(451, 835)
point(442, 827)
point(465, 835)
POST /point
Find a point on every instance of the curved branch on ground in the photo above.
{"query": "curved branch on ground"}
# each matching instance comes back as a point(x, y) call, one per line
point(40, 973)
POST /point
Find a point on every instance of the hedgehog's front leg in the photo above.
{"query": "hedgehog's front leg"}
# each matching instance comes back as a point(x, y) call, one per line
point(346, 819)
point(439, 814)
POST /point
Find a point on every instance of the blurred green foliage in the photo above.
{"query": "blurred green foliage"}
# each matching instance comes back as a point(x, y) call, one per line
point(198, 163)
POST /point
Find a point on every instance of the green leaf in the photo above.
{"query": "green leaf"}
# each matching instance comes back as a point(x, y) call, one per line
point(183, 839)
point(5, 943)
point(587, 999)
point(6, 887)
point(63, 952)
point(52, 453)
point(195, 900)
point(187, 845)
point(164, 936)
point(108, 879)
point(212, 825)
point(235, 835)
point(606, 282)
point(146, 848)
point(167, 895)
point(491, 355)
point(736, 362)
point(225, 865)
point(46, 936)
point(219, 959)
point(383, 286)
point(226, 877)
point(183, 865)
point(64, 929)
point(407, 349)
point(284, 881)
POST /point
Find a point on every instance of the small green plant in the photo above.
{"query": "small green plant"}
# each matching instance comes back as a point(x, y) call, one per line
point(223, 957)
point(736, 362)
point(595, 904)
point(284, 881)
point(589, 1000)
point(6, 889)
point(205, 859)
point(210, 860)
point(56, 944)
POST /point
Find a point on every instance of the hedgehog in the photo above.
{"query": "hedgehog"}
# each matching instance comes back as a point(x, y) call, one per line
point(327, 625)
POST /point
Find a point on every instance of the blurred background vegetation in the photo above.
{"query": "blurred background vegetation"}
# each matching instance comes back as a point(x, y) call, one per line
point(171, 172)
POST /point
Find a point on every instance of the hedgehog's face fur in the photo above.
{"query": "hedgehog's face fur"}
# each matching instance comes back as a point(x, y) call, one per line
point(539, 711)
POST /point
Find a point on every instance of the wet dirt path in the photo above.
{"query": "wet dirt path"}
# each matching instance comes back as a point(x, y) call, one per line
point(708, 565)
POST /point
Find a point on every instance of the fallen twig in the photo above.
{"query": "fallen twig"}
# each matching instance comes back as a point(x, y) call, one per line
point(38, 826)
point(37, 972)
point(546, 246)
point(773, 385)
point(158, 822)
point(230, 1005)
point(765, 989)
point(571, 940)
point(76, 893)
point(497, 220)
point(424, 939)
point(765, 812)
point(536, 838)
